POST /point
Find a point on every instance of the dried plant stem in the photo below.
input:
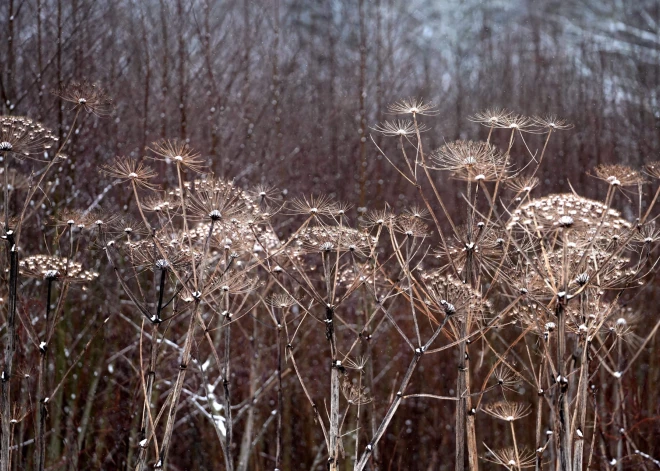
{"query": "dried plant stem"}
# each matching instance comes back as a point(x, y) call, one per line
point(5, 414)
point(226, 391)
point(40, 450)
point(280, 398)
point(5, 163)
point(618, 407)
point(582, 397)
point(461, 406)
point(545, 146)
point(10, 346)
point(145, 427)
point(364, 458)
point(178, 385)
point(564, 439)
point(515, 444)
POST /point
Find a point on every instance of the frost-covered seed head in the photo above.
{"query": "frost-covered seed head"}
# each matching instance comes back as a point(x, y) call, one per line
point(5, 146)
point(582, 279)
point(215, 215)
point(162, 264)
point(566, 221)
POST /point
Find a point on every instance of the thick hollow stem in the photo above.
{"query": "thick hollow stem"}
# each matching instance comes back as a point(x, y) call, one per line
point(10, 346)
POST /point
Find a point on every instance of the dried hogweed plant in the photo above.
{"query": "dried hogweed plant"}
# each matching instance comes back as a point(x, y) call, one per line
point(554, 272)
point(240, 303)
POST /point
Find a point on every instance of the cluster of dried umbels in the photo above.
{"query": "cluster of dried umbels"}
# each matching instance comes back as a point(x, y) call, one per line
point(201, 258)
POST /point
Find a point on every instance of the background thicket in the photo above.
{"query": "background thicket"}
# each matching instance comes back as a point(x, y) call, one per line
point(284, 93)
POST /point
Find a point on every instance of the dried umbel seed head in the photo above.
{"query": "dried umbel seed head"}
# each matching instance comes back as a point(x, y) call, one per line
point(281, 300)
point(24, 137)
point(413, 106)
point(566, 221)
point(508, 411)
point(130, 170)
point(552, 212)
point(162, 264)
point(313, 206)
point(618, 175)
point(51, 274)
point(511, 458)
point(86, 96)
point(522, 184)
point(491, 117)
point(398, 128)
point(469, 161)
point(53, 268)
point(551, 123)
point(327, 247)
point(215, 215)
point(652, 169)
point(452, 296)
point(582, 279)
point(179, 152)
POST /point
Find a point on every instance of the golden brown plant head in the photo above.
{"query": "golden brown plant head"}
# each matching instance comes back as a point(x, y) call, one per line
point(86, 96)
point(313, 206)
point(519, 123)
point(215, 199)
point(411, 226)
point(417, 212)
point(24, 137)
point(511, 458)
point(164, 203)
point(399, 128)
point(522, 184)
point(492, 117)
point(453, 297)
point(647, 234)
point(129, 226)
point(379, 218)
point(329, 239)
point(508, 411)
point(281, 300)
point(618, 175)
point(125, 169)
point(47, 267)
point(73, 218)
point(354, 394)
point(551, 123)
point(178, 152)
point(506, 377)
point(413, 106)
point(470, 161)
point(652, 169)
point(568, 211)
point(263, 194)
point(101, 219)
point(147, 255)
